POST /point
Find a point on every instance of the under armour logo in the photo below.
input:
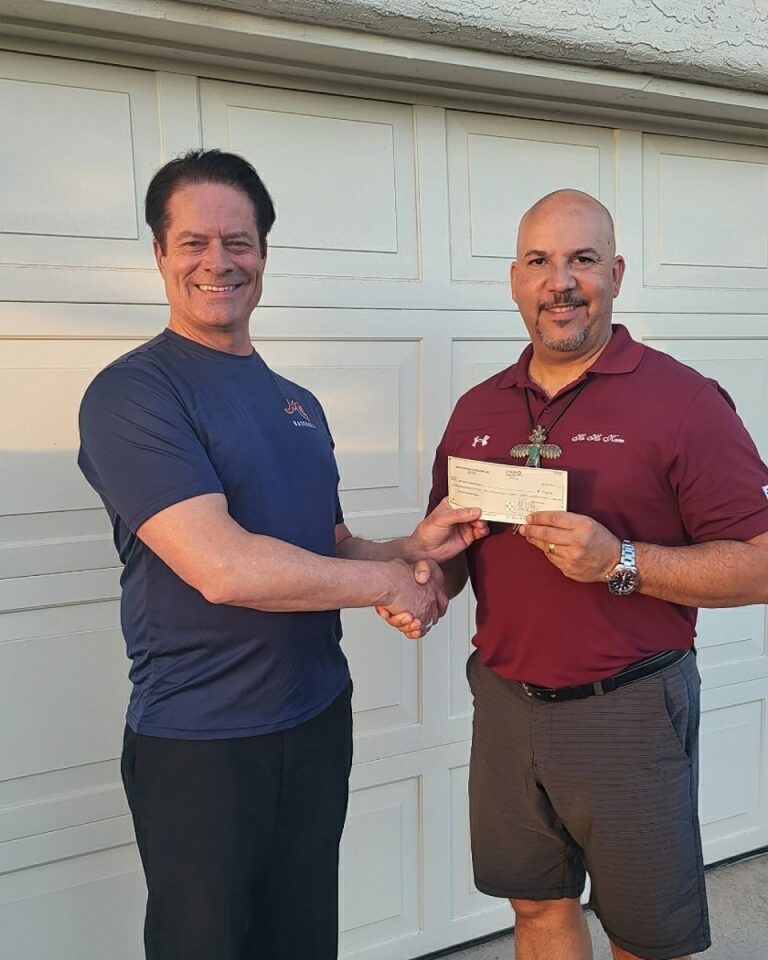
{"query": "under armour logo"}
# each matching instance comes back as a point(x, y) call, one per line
point(483, 441)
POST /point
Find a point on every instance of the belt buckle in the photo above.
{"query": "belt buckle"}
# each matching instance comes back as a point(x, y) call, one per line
point(527, 688)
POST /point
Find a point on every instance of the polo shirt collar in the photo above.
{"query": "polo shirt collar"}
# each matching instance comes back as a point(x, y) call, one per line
point(622, 354)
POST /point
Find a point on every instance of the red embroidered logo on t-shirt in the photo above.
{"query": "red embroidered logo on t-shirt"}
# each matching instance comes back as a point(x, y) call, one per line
point(294, 407)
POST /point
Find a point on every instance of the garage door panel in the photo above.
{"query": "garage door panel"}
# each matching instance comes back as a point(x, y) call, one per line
point(75, 720)
point(74, 618)
point(41, 385)
point(60, 542)
point(475, 360)
point(90, 905)
point(466, 899)
point(386, 672)
point(63, 844)
point(705, 208)
point(732, 644)
point(87, 188)
point(42, 592)
point(380, 865)
point(59, 799)
point(85, 146)
point(498, 167)
point(82, 321)
point(40, 439)
point(341, 171)
point(733, 769)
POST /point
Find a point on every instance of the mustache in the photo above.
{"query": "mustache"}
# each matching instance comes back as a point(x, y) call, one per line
point(563, 300)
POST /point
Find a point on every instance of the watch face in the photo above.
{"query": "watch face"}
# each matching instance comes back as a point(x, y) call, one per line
point(623, 580)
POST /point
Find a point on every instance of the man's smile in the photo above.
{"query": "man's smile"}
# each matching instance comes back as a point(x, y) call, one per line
point(210, 288)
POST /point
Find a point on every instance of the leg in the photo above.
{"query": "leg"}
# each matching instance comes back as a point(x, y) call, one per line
point(621, 772)
point(520, 850)
point(203, 813)
point(551, 930)
point(298, 893)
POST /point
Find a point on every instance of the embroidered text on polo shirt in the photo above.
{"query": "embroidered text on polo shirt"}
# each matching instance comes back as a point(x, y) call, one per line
point(599, 438)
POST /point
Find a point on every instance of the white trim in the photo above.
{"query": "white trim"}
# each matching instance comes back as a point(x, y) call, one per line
point(196, 40)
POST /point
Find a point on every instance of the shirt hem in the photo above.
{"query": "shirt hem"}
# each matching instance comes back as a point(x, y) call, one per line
point(254, 730)
point(169, 500)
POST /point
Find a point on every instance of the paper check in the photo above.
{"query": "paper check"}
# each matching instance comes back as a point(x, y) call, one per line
point(505, 493)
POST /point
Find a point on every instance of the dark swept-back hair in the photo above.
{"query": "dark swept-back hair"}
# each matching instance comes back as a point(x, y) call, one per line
point(207, 166)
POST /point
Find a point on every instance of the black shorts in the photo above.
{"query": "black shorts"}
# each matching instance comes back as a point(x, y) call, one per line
point(606, 785)
point(239, 839)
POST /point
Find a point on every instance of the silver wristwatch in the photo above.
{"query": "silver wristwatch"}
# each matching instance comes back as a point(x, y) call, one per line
point(624, 578)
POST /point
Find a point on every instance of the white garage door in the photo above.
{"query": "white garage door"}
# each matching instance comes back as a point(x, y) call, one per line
point(386, 295)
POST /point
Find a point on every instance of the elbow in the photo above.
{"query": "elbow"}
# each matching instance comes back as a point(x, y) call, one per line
point(216, 593)
point(218, 584)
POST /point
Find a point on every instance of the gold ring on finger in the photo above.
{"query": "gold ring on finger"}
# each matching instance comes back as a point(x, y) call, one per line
point(550, 548)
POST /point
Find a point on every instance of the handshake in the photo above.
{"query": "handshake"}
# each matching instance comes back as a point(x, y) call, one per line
point(420, 592)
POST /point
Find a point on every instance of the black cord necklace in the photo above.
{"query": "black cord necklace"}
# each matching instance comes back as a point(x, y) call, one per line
point(537, 446)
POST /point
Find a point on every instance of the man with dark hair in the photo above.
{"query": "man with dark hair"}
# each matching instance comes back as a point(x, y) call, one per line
point(585, 737)
point(220, 481)
point(207, 166)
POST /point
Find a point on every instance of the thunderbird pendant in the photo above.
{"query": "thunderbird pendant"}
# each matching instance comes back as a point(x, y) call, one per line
point(536, 448)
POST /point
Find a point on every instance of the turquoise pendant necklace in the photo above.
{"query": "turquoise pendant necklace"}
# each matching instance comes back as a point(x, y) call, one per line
point(537, 446)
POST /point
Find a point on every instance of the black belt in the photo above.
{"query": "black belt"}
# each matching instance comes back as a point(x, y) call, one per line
point(635, 671)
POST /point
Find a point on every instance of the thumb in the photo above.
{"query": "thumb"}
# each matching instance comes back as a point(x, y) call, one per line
point(421, 571)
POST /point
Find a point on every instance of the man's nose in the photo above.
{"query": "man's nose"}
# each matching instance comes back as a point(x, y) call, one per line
point(217, 258)
point(561, 277)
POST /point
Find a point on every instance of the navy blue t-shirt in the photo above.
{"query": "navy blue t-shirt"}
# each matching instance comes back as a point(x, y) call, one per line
point(173, 420)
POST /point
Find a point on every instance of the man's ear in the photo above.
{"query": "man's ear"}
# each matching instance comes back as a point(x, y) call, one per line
point(617, 270)
point(512, 285)
point(159, 255)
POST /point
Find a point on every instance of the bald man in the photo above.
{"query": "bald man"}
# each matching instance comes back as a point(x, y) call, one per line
point(584, 751)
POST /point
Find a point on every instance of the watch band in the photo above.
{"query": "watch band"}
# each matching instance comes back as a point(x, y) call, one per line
point(628, 555)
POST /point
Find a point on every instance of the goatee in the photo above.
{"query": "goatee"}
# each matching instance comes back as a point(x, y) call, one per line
point(565, 344)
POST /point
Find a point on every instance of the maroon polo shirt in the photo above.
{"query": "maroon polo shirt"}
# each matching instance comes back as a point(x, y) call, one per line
point(655, 452)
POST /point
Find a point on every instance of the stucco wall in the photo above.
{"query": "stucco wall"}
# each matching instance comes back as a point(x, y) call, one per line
point(723, 42)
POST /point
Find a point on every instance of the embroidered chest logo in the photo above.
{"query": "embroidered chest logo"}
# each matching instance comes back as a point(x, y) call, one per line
point(481, 441)
point(597, 438)
point(765, 491)
point(302, 419)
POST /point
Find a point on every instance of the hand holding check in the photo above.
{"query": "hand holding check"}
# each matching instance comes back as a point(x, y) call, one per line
point(580, 547)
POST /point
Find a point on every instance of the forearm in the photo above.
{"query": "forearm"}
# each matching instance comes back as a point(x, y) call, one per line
point(725, 573)
point(229, 565)
point(442, 535)
point(402, 548)
point(268, 574)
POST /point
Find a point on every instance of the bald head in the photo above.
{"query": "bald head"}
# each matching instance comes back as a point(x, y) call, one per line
point(566, 276)
point(575, 203)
